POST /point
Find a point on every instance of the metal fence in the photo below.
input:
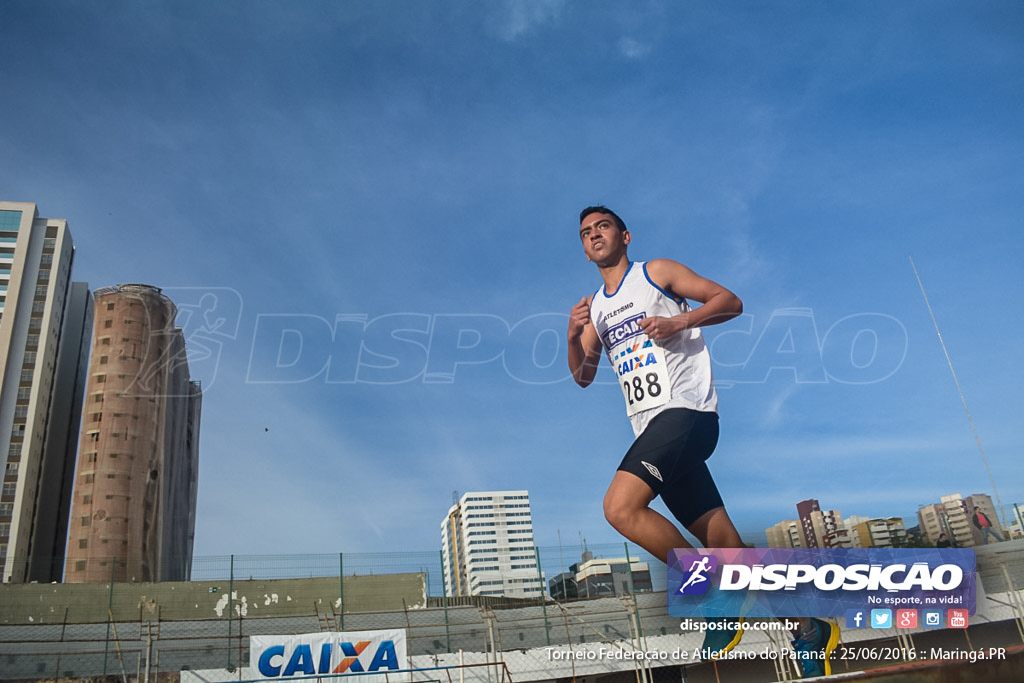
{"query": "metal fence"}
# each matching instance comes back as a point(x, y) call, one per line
point(141, 632)
point(131, 630)
point(436, 636)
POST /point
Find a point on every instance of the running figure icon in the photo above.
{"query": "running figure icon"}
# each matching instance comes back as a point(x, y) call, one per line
point(697, 571)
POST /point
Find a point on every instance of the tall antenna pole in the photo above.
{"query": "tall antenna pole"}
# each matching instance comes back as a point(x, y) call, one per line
point(963, 400)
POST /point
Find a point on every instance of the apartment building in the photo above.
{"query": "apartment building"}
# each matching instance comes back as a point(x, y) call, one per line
point(45, 320)
point(134, 505)
point(488, 546)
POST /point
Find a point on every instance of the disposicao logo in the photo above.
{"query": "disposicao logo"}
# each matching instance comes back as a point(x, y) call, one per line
point(780, 582)
point(697, 580)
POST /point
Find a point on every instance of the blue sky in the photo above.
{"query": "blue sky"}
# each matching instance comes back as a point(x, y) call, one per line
point(407, 177)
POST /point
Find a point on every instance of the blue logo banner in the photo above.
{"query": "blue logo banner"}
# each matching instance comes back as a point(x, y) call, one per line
point(829, 582)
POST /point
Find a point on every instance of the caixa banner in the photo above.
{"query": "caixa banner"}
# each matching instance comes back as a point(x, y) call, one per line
point(777, 582)
point(351, 652)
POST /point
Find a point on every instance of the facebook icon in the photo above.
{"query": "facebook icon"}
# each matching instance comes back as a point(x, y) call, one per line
point(855, 618)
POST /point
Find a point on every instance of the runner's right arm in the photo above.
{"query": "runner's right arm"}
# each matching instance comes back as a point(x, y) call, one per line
point(584, 344)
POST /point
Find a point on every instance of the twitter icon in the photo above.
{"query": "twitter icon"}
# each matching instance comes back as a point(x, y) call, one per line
point(881, 618)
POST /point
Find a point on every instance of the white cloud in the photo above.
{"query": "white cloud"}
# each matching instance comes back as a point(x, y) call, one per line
point(520, 16)
point(633, 49)
point(775, 414)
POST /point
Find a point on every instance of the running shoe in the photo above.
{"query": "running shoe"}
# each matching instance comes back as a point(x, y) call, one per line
point(719, 638)
point(814, 644)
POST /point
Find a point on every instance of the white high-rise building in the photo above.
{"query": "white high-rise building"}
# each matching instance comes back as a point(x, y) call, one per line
point(44, 343)
point(488, 547)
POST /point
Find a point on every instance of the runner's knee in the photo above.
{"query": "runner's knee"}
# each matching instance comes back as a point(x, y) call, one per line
point(616, 512)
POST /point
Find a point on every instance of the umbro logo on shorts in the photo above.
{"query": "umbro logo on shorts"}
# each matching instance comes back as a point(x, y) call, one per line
point(653, 470)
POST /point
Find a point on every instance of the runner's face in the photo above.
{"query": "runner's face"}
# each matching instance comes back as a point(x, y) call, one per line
point(601, 237)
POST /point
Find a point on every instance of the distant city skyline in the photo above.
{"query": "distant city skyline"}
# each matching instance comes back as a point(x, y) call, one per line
point(823, 529)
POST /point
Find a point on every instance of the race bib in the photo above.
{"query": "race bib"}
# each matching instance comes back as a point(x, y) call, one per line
point(643, 376)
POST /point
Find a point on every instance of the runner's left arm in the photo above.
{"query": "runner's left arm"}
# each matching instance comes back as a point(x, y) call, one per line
point(718, 304)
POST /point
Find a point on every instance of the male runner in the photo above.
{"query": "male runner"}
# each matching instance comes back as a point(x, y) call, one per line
point(642, 319)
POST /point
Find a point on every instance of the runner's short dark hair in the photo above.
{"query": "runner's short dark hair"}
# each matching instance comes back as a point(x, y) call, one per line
point(603, 209)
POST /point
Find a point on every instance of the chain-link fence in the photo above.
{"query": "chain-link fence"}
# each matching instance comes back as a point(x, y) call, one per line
point(143, 632)
point(141, 629)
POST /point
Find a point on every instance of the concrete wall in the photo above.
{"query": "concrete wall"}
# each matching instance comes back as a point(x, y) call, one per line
point(88, 603)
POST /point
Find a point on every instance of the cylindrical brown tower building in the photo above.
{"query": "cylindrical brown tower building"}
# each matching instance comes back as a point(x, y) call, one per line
point(133, 512)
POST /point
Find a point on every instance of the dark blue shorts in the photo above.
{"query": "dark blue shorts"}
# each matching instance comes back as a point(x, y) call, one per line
point(669, 456)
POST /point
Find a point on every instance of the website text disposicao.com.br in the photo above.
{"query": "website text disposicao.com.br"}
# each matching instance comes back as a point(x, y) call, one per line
point(738, 625)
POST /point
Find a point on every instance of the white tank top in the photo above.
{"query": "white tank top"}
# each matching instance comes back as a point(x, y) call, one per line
point(653, 375)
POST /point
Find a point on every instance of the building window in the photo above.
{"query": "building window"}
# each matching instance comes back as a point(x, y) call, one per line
point(83, 543)
point(80, 566)
point(107, 324)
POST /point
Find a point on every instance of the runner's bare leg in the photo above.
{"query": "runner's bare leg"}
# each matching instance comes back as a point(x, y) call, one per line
point(627, 508)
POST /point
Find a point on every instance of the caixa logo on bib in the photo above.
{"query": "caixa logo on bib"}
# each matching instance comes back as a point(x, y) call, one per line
point(776, 582)
point(312, 654)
